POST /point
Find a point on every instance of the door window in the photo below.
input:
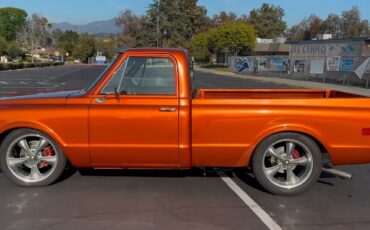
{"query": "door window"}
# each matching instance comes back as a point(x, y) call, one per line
point(143, 76)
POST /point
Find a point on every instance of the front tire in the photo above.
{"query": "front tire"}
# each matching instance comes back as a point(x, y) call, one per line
point(30, 158)
point(287, 163)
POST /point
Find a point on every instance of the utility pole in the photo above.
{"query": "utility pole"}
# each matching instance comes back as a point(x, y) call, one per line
point(159, 4)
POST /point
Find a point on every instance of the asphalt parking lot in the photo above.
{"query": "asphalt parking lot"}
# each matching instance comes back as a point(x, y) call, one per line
point(47, 79)
point(91, 199)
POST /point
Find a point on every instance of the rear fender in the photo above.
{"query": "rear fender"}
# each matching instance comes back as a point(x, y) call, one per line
point(296, 128)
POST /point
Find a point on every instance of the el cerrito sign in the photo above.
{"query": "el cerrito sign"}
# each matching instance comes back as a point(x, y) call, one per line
point(309, 49)
point(327, 49)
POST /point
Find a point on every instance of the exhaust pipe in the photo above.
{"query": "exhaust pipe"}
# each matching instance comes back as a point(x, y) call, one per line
point(337, 173)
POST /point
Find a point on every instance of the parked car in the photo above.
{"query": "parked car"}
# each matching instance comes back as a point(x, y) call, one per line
point(143, 112)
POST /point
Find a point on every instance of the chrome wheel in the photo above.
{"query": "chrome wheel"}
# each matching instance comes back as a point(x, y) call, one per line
point(287, 163)
point(32, 158)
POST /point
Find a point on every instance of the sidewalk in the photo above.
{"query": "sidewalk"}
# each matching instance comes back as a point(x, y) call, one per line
point(299, 83)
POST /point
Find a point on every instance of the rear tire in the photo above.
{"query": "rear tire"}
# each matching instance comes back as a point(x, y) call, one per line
point(30, 158)
point(287, 163)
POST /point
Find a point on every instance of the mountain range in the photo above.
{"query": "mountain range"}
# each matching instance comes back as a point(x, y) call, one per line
point(98, 27)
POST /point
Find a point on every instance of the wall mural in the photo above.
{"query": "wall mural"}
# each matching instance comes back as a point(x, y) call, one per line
point(242, 64)
point(344, 49)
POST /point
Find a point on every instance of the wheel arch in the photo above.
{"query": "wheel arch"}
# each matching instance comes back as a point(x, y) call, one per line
point(5, 130)
point(308, 133)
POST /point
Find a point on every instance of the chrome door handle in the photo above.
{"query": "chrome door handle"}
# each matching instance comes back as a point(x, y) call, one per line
point(167, 109)
point(100, 100)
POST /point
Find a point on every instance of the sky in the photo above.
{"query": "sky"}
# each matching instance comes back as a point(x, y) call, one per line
point(85, 11)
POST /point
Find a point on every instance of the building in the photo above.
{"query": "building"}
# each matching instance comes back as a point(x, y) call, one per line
point(271, 47)
point(44, 54)
point(264, 47)
point(324, 36)
point(358, 48)
point(4, 59)
point(354, 47)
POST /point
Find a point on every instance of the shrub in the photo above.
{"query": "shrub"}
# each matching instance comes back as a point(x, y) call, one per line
point(11, 66)
point(29, 65)
point(28, 59)
point(21, 65)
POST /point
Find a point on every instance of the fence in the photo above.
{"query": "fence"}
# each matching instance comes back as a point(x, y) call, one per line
point(345, 70)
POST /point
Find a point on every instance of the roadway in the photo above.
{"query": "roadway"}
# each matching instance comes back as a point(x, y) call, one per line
point(187, 199)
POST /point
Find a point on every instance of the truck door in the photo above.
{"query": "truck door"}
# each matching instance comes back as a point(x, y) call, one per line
point(134, 119)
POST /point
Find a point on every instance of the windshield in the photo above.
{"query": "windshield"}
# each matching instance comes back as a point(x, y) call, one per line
point(102, 75)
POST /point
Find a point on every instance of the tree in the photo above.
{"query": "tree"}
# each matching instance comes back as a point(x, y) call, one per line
point(199, 46)
point(222, 17)
point(11, 21)
point(167, 23)
point(332, 25)
point(35, 33)
point(307, 29)
point(232, 37)
point(164, 24)
point(314, 27)
point(85, 48)
point(3, 45)
point(353, 25)
point(268, 21)
point(55, 38)
point(107, 47)
point(349, 25)
point(68, 41)
point(193, 20)
point(134, 29)
point(13, 50)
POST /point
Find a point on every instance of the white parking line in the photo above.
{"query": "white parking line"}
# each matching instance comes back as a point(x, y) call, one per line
point(266, 219)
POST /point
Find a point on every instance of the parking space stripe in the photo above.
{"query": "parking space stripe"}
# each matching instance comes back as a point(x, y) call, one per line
point(266, 219)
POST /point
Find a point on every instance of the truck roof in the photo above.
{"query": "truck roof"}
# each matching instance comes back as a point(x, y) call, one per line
point(155, 50)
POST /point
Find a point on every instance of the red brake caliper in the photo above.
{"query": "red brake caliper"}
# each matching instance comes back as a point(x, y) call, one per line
point(296, 154)
point(47, 152)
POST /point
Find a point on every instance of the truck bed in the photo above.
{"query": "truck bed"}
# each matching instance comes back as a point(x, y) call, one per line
point(271, 94)
point(234, 121)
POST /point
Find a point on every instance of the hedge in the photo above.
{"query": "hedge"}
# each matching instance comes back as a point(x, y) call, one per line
point(22, 65)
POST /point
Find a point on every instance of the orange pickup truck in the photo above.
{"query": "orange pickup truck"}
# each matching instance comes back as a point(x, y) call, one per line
point(142, 112)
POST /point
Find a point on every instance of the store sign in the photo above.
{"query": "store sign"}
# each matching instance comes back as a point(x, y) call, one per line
point(308, 50)
point(327, 49)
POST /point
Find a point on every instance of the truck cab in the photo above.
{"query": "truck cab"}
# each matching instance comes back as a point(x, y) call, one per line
point(147, 103)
